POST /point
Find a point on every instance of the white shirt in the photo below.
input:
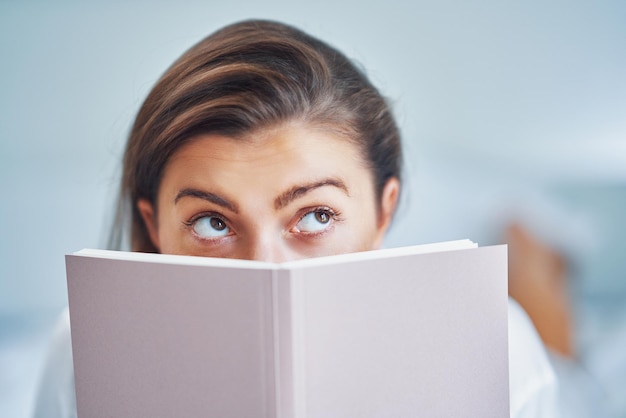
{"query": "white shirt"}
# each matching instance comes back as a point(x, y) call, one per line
point(532, 382)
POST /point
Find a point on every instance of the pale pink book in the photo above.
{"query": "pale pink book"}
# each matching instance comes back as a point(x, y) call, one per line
point(409, 332)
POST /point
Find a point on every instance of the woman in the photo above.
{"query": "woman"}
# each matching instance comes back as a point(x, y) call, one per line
point(262, 142)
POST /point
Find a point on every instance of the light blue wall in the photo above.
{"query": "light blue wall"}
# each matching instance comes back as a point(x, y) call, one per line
point(532, 91)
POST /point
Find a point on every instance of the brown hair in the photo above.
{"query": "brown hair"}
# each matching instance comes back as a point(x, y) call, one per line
point(248, 76)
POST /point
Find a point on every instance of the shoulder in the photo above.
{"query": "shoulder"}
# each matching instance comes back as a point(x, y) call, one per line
point(56, 397)
point(532, 382)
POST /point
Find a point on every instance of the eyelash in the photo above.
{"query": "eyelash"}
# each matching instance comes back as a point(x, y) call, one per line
point(191, 222)
point(334, 215)
point(194, 218)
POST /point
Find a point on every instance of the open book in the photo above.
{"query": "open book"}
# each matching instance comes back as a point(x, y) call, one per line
point(409, 332)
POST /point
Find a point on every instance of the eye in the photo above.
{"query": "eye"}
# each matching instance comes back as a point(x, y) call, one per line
point(315, 221)
point(210, 227)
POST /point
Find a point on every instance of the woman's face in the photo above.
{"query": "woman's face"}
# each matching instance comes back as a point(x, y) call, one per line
point(281, 194)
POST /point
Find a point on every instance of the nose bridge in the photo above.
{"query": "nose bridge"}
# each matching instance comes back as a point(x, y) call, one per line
point(265, 246)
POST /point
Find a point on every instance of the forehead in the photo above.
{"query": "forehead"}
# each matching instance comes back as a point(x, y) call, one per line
point(292, 151)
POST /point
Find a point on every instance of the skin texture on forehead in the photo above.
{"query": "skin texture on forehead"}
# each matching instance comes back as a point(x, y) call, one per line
point(268, 192)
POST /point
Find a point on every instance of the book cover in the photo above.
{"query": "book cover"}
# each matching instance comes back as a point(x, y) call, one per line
point(415, 331)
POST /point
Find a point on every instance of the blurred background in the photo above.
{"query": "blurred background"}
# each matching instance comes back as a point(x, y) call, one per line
point(512, 113)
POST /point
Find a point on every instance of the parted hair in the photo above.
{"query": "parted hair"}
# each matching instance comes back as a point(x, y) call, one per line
point(248, 76)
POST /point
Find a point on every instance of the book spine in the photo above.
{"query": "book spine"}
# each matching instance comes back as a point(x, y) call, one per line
point(288, 345)
point(282, 347)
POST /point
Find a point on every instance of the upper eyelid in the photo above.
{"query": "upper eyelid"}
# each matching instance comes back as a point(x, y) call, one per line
point(299, 191)
point(206, 214)
point(335, 216)
point(306, 211)
point(300, 214)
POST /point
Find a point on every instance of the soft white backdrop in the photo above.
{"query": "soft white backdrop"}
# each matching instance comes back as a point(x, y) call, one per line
point(496, 100)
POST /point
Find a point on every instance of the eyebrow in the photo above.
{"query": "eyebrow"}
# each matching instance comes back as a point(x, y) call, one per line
point(208, 196)
point(300, 190)
point(280, 202)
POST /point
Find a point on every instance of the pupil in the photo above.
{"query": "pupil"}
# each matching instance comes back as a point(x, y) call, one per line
point(322, 217)
point(217, 224)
